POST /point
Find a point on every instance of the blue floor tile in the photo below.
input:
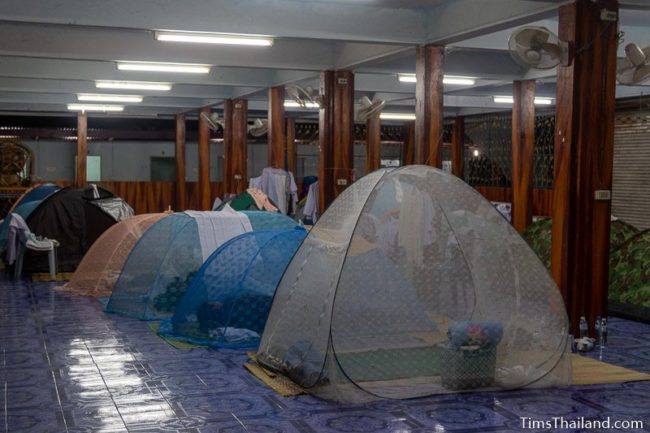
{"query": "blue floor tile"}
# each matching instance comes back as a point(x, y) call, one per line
point(67, 367)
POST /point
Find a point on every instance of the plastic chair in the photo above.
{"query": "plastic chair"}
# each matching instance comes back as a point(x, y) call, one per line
point(29, 241)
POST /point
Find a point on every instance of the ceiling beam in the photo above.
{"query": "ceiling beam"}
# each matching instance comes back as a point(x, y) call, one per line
point(110, 44)
point(30, 67)
point(454, 21)
point(281, 18)
point(45, 85)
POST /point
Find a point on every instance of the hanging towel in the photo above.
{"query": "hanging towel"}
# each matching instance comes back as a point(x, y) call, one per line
point(16, 225)
point(311, 205)
point(279, 185)
point(215, 228)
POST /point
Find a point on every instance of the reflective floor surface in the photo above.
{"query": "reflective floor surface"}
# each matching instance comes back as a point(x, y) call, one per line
point(69, 367)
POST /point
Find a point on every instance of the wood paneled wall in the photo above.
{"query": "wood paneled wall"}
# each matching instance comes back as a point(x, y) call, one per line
point(152, 197)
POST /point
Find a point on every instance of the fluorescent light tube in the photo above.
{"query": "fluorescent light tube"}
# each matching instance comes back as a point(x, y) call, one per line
point(183, 68)
point(95, 107)
point(510, 100)
point(133, 85)
point(447, 79)
point(462, 81)
point(397, 116)
point(214, 38)
point(294, 104)
point(544, 101)
point(108, 98)
point(406, 78)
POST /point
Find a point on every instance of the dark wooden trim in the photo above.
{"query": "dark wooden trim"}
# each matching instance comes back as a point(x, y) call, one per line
point(429, 93)
point(326, 140)
point(277, 138)
point(373, 143)
point(204, 162)
point(239, 145)
point(523, 153)
point(409, 144)
point(343, 152)
point(82, 150)
point(291, 145)
point(584, 137)
point(180, 162)
point(458, 147)
point(228, 185)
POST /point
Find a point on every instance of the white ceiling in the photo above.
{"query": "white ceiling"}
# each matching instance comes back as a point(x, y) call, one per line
point(52, 50)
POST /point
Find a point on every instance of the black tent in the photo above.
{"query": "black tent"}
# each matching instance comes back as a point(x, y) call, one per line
point(70, 217)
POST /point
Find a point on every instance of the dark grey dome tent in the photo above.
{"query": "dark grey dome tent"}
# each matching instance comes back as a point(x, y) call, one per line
point(412, 284)
point(75, 218)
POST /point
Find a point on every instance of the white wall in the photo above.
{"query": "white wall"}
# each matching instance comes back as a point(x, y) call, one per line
point(121, 160)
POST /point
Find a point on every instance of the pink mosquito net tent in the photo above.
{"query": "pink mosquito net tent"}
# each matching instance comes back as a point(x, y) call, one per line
point(102, 264)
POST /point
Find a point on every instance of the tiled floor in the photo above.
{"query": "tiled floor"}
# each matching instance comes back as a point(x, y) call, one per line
point(69, 367)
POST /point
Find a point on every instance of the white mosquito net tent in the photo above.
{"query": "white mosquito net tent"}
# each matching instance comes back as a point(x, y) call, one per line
point(412, 284)
point(163, 262)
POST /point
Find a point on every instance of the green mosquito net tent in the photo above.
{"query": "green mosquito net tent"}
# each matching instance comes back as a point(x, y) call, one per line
point(163, 262)
point(229, 299)
point(412, 284)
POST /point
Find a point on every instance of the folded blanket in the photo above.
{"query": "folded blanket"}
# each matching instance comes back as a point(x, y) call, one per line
point(485, 333)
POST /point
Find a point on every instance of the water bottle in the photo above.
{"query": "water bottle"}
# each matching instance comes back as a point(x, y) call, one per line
point(603, 332)
point(583, 327)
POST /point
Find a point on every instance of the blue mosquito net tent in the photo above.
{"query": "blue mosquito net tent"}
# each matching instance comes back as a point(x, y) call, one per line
point(228, 301)
point(38, 193)
point(24, 206)
point(163, 262)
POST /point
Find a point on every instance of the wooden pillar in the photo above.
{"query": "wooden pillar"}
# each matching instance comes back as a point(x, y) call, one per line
point(82, 149)
point(205, 202)
point(458, 147)
point(239, 145)
point(336, 135)
point(291, 145)
point(373, 143)
point(409, 144)
point(429, 71)
point(180, 162)
point(277, 133)
point(523, 153)
point(325, 140)
point(343, 152)
point(227, 147)
point(584, 137)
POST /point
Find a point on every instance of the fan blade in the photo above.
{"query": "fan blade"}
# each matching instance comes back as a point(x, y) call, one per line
point(376, 107)
point(641, 73)
point(365, 102)
point(525, 36)
point(635, 54)
point(360, 116)
point(552, 49)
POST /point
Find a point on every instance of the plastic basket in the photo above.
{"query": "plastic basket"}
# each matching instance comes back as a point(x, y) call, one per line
point(467, 367)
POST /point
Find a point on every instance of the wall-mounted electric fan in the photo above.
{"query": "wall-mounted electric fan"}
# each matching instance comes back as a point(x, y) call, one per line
point(635, 67)
point(538, 48)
